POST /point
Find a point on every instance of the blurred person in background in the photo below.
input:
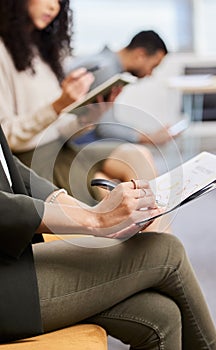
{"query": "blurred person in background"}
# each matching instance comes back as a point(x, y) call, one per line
point(35, 37)
point(140, 57)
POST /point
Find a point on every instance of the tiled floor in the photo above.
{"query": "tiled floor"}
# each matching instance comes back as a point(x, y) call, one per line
point(195, 225)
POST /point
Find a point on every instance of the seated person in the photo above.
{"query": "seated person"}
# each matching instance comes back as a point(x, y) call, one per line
point(33, 95)
point(139, 286)
point(140, 57)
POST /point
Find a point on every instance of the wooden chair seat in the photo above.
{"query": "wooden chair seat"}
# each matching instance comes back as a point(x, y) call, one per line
point(79, 337)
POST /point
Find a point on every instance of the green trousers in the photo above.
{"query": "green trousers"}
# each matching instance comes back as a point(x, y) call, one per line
point(143, 291)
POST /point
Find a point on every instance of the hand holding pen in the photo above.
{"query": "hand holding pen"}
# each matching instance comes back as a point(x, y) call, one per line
point(74, 87)
point(139, 197)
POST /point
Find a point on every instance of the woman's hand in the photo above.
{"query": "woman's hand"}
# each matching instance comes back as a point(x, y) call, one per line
point(91, 114)
point(119, 211)
point(114, 217)
point(74, 86)
point(115, 91)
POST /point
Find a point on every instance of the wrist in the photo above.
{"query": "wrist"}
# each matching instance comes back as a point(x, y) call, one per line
point(53, 197)
point(95, 221)
point(62, 102)
point(58, 106)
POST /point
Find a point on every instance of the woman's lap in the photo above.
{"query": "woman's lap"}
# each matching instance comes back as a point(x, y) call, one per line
point(96, 278)
point(76, 283)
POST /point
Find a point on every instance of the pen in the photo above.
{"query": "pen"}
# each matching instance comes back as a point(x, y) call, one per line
point(93, 69)
point(106, 184)
point(88, 70)
point(110, 185)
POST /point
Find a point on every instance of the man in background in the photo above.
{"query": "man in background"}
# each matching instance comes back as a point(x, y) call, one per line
point(144, 52)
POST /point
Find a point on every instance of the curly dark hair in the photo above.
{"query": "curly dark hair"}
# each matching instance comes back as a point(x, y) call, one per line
point(53, 43)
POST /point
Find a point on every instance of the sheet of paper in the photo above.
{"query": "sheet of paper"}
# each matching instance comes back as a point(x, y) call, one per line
point(174, 187)
point(178, 184)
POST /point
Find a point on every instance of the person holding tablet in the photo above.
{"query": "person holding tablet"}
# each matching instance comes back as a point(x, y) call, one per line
point(140, 57)
point(33, 93)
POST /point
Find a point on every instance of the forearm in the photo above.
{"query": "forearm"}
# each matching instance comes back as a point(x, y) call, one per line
point(67, 216)
point(114, 216)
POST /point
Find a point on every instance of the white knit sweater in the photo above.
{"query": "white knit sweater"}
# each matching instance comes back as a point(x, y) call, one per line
point(26, 113)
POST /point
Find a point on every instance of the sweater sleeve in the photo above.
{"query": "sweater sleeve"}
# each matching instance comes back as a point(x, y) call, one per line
point(20, 127)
